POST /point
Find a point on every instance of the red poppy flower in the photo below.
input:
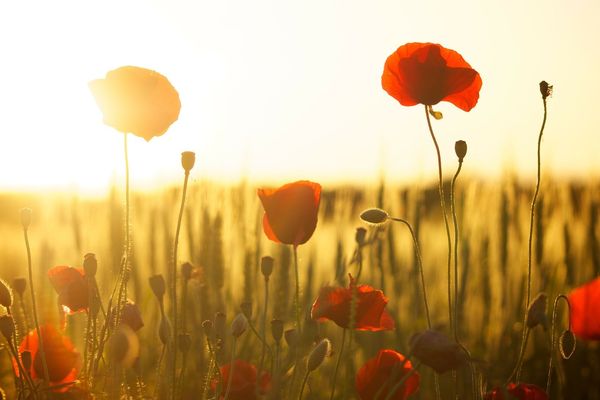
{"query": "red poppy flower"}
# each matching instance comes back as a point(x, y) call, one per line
point(137, 100)
point(334, 303)
point(380, 374)
point(61, 358)
point(244, 381)
point(521, 391)
point(291, 211)
point(585, 310)
point(71, 286)
point(427, 73)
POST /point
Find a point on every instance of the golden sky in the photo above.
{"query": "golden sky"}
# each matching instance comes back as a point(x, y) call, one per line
point(281, 90)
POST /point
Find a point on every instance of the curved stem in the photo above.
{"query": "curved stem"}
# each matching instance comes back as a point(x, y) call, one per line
point(553, 338)
point(35, 315)
point(443, 205)
point(174, 284)
point(420, 262)
point(337, 364)
point(231, 367)
point(303, 384)
point(517, 371)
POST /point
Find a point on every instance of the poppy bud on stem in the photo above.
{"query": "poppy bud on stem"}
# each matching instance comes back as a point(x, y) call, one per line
point(567, 341)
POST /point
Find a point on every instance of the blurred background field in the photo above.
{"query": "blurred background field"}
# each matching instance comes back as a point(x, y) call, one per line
point(222, 236)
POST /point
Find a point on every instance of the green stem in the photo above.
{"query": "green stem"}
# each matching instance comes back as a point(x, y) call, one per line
point(304, 384)
point(297, 297)
point(553, 338)
point(443, 205)
point(231, 367)
point(337, 364)
point(35, 315)
point(264, 330)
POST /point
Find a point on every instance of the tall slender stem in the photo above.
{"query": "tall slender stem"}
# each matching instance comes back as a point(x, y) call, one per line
point(337, 364)
point(303, 384)
point(174, 283)
point(553, 338)
point(443, 205)
point(297, 297)
point(263, 329)
point(34, 306)
point(455, 223)
point(231, 366)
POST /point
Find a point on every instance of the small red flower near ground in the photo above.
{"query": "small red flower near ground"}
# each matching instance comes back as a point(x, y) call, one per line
point(334, 303)
point(291, 211)
point(137, 100)
point(521, 391)
point(585, 310)
point(427, 73)
point(61, 357)
point(380, 374)
point(71, 286)
point(244, 381)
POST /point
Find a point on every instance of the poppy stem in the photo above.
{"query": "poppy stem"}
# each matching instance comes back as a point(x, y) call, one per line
point(304, 383)
point(122, 297)
point(297, 298)
point(34, 307)
point(231, 368)
point(553, 338)
point(264, 328)
point(337, 365)
point(420, 262)
point(443, 205)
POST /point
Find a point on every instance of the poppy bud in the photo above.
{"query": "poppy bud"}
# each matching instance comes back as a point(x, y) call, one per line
point(460, 148)
point(277, 329)
point(246, 307)
point(219, 324)
point(132, 316)
point(317, 355)
point(291, 337)
point(360, 236)
point(374, 216)
point(207, 326)
point(157, 283)
point(545, 89)
point(6, 298)
point(185, 342)
point(567, 344)
point(186, 270)
point(164, 330)
point(90, 265)
point(266, 266)
point(536, 313)
point(19, 285)
point(435, 114)
point(188, 159)
point(7, 327)
point(437, 351)
point(25, 217)
point(239, 325)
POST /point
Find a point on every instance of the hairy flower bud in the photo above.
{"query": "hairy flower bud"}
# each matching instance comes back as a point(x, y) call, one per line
point(186, 270)
point(239, 325)
point(25, 217)
point(6, 298)
point(360, 236)
point(188, 159)
point(460, 148)
point(157, 283)
point(318, 354)
point(374, 216)
point(90, 265)
point(545, 89)
point(567, 343)
point(266, 266)
point(7, 327)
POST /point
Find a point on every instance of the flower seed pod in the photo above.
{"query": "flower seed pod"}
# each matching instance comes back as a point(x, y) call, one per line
point(185, 342)
point(318, 354)
point(277, 329)
point(19, 285)
point(246, 308)
point(6, 298)
point(536, 313)
point(545, 89)
point(239, 325)
point(7, 327)
point(25, 217)
point(460, 148)
point(188, 159)
point(186, 270)
point(266, 266)
point(291, 337)
point(164, 330)
point(374, 216)
point(90, 265)
point(360, 236)
point(157, 283)
point(567, 344)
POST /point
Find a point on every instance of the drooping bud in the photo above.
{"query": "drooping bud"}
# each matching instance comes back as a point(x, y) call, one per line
point(374, 216)
point(266, 266)
point(186, 270)
point(318, 354)
point(188, 159)
point(291, 337)
point(360, 236)
point(7, 327)
point(90, 265)
point(277, 329)
point(536, 313)
point(545, 89)
point(157, 283)
point(25, 217)
point(566, 344)
point(19, 285)
point(6, 298)
point(239, 325)
point(460, 148)
point(185, 342)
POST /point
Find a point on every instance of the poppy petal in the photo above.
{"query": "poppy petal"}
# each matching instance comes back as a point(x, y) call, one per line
point(585, 310)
